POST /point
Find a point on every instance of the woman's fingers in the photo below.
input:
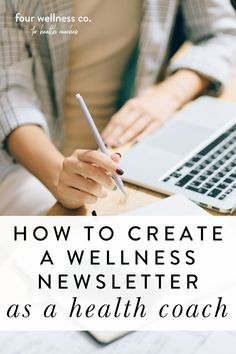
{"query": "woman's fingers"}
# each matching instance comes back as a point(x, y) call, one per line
point(99, 159)
point(73, 166)
point(121, 114)
point(135, 129)
point(73, 198)
point(116, 157)
point(94, 165)
point(120, 122)
point(156, 104)
point(136, 123)
point(120, 126)
point(150, 129)
point(84, 176)
point(85, 185)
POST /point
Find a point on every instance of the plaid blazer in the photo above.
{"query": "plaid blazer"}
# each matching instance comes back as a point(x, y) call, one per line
point(33, 68)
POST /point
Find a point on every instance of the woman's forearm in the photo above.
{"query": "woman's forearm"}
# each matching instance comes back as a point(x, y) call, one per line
point(31, 147)
point(79, 179)
point(183, 86)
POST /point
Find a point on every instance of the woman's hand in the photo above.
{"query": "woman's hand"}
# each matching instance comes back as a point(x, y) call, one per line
point(80, 178)
point(85, 177)
point(139, 117)
point(142, 115)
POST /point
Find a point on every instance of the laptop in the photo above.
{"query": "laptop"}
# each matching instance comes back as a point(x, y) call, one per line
point(193, 154)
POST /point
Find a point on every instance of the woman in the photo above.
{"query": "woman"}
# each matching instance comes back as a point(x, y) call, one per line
point(115, 61)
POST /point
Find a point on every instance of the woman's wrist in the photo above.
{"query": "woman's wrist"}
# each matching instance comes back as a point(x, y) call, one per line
point(53, 174)
point(37, 154)
point(183, 86)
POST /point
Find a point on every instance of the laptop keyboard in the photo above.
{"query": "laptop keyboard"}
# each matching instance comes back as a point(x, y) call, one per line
point(212, 171)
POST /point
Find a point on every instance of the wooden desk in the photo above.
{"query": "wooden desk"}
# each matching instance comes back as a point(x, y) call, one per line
point(116, 203)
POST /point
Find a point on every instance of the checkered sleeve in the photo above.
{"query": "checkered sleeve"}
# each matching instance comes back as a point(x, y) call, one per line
point(19, 104)
point(211, 27)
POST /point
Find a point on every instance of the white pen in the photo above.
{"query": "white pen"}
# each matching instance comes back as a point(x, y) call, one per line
point(97, 137)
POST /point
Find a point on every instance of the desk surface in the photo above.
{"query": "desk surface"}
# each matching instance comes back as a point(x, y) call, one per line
point(137, 197)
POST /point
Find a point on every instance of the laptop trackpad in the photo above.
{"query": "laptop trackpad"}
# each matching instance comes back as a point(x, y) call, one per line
point(150, 159)
point(179, 137)
point(147, 164)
